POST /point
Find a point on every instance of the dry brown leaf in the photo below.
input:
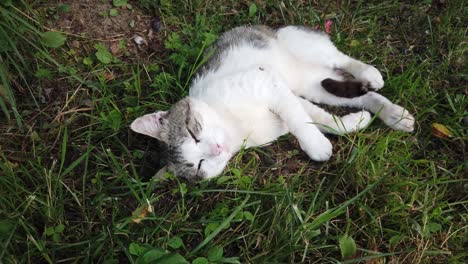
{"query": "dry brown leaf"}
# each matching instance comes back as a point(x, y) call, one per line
point(115, 48)
point(109, 76)
point(441, 131)
point(140, 213)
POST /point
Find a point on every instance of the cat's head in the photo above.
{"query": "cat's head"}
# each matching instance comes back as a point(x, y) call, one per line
point(196, 137)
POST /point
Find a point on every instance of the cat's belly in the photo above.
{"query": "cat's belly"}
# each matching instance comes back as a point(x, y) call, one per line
point(260, 126)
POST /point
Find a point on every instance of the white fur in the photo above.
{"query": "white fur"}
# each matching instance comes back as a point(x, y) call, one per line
point(215, 132)
point(255, 96)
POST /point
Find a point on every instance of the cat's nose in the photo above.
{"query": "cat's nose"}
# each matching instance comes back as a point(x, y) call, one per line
point(216, 149)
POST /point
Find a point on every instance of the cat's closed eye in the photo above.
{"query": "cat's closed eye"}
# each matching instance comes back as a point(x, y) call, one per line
point(193, 135)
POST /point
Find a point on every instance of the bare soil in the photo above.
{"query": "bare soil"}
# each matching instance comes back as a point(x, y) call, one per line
point(90, 21)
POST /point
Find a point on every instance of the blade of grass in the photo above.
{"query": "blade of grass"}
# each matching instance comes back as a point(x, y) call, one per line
point(220, 227)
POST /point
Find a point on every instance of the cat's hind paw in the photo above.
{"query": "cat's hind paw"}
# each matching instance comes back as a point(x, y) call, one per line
point(398, 118)
point(355, 121)
point(372, 76)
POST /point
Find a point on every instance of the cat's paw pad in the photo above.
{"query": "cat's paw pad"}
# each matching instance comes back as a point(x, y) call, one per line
point(318, 149)
point(356, 121)
point(398, 118)
point(372, 76)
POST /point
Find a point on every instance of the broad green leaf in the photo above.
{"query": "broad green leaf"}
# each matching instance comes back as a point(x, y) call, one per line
point(347, 246)
point(239, 216)
point(49, 231)
point(236, 172)
point(56, 237)
point(87, 61)
point(394, 240)
point(119, 2)
point(210, 228)
point(152, 255)
point(102, 54)
point(245, 180)
point(252, 9)
point(59, 228)
point(172, 258)
point(215, 254)
point(53, 39)
point(248, 215)
point(113, 12)
point(200, 260)
point(175, 242)
point(136, 249)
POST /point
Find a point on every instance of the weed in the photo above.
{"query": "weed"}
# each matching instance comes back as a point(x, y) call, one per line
point(73, 185)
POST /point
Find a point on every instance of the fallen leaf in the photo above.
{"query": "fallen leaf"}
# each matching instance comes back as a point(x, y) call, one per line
point(88, 102)
point(141, 212)
point(53, 39)
point(115, 47)
point(75, 44)
point(109, 76)
point(441, 131)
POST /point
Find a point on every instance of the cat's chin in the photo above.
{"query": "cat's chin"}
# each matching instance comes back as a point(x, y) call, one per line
point(217, 165)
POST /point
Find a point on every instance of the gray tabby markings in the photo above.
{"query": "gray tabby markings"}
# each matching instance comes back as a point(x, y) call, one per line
point(257, 36)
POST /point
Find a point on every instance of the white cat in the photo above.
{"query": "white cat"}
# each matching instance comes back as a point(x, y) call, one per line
point(259, 84)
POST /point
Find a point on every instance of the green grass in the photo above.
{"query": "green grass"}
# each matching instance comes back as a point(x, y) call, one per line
point(72, 187)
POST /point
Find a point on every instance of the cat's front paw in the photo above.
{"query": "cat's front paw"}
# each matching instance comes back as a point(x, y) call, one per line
point(372, 76)
point(397, 118)
point(318, 148)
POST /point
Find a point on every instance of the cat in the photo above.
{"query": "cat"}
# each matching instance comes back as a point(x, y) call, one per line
point(258, 84)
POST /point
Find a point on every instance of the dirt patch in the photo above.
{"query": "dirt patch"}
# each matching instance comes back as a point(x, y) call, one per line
point(91, 21)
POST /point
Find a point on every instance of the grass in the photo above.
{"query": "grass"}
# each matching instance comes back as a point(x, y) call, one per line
point(74, 183)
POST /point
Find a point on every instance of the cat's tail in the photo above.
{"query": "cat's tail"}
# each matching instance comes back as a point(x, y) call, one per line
point(347, 88)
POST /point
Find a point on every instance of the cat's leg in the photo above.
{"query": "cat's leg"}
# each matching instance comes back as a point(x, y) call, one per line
point(361, 71)
point(332, 124)
point(313, 47)
point(289, 108)
point(392, 114)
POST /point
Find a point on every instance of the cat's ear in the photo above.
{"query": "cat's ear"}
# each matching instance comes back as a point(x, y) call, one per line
point(150, 124)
